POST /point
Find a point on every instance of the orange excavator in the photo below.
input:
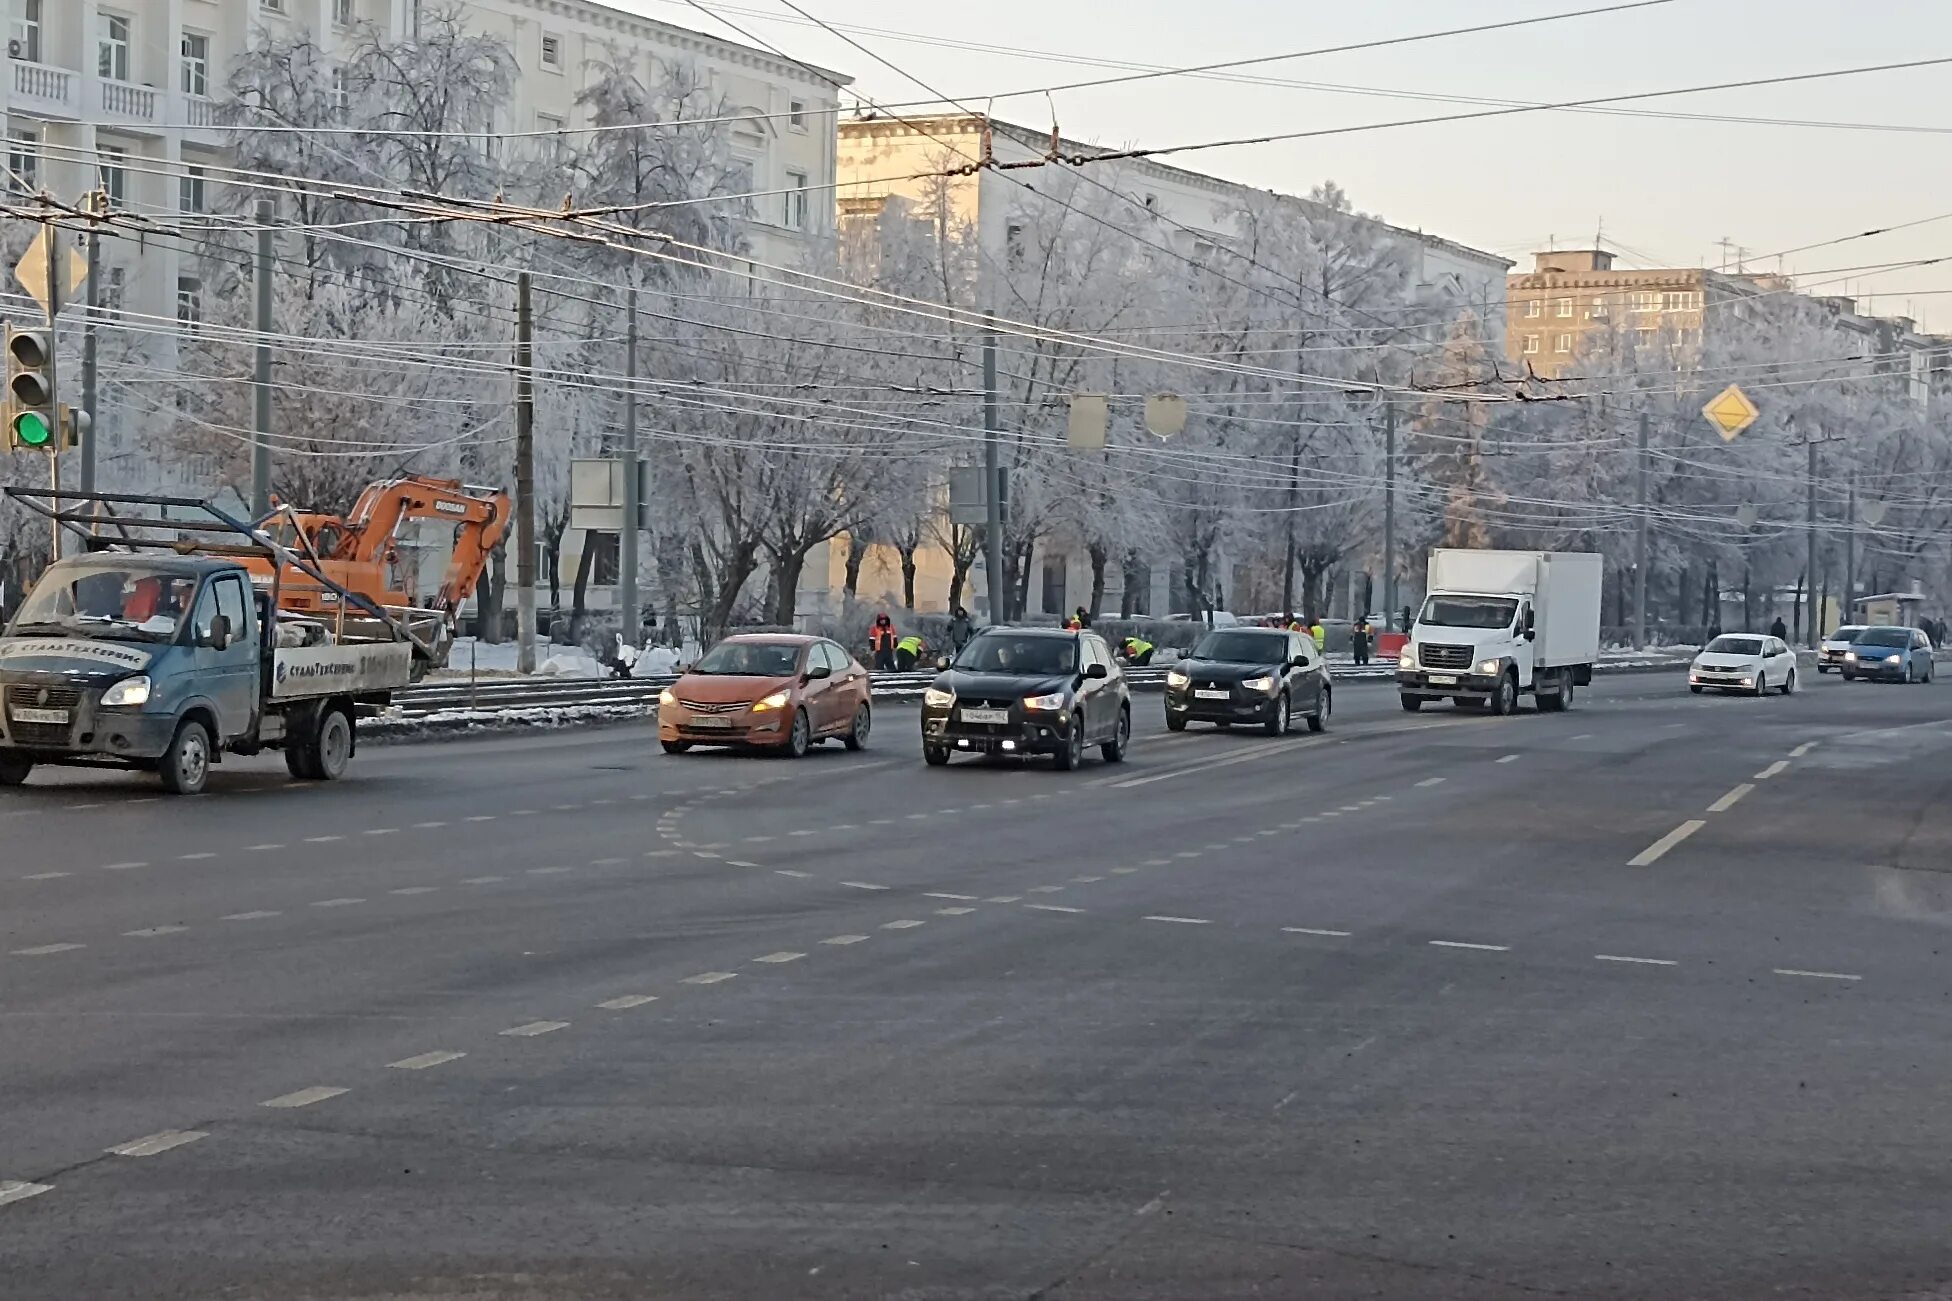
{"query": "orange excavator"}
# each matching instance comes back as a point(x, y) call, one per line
point(361, 551)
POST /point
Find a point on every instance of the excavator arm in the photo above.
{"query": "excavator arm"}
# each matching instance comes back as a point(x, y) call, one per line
point(480, 517)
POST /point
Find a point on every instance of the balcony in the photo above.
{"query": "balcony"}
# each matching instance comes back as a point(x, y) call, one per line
point(45, 91)
point(198, 116)
point(127, 104)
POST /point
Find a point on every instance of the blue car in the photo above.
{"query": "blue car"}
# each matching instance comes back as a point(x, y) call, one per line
point(1890, 654)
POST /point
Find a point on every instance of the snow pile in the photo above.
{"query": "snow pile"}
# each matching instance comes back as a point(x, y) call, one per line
point(654, 662)
point(570, 664)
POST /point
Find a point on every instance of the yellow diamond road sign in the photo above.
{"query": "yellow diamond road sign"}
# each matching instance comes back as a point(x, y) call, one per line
point(1731, 412)
point(32, 270)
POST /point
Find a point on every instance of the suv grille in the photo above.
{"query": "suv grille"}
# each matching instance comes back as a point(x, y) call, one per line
point(1445, 657)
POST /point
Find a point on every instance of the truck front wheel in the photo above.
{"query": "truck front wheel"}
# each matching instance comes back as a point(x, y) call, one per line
point(1411, 704)
point(14, 768)
point(1504, 700)
point(185, 766)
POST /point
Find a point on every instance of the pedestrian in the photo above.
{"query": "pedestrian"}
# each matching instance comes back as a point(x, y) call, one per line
point(1078, 621)
point(1778, 629)
point(881, 641)
point(1138, 651)
point(1319, 633)
point(960, 629)
point(908, 650)
point(1359, 641)
point(1294, 625)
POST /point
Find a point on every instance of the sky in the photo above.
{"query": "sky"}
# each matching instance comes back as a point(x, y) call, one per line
point(1664, 192)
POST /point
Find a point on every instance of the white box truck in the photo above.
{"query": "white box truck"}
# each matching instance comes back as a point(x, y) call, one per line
point(1496, 624)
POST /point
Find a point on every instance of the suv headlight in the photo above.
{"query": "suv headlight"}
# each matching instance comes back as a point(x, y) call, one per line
point(778, 700)
point(1177, 678)
point(128, 693)
point(1263, 683)
point(938, 698)
point(1052, 700)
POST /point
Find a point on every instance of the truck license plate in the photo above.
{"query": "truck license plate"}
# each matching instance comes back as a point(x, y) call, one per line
point(1442, 680)
point(39, 715)
point(1210, 695)
point(985, 715)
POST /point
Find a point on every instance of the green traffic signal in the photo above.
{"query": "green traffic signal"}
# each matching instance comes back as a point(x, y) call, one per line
point(31, 429)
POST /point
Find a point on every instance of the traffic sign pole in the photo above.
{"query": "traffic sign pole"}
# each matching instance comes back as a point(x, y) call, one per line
point(52, 233)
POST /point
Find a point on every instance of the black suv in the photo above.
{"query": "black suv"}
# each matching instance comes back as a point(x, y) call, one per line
point(1028, 691)
point(1250, 675)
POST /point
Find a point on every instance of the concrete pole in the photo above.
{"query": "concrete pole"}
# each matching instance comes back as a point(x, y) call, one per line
point(992, 473)
point(1640, 548)
point(1389, 514)
point(93, 300)
point(627, 551)
point(524, 479)
point(261, 372)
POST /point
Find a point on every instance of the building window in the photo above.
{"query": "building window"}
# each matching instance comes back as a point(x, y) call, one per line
point(1681, 301)
point(189, 302)
point(552, 51)
point(114, 282)
point(1599, 309)
point(341, 92)
point(272, 6)
point(1564, 308)
point(796, 114)
point(1532, 307)
point(342, 14)
point(1152, 203)
point(1646, 300)
point(26, 31)
point(796, 200)
point(23, 161)
point(1013, 245)
point(1645, 337)
point(1564, 343)
point(112, 49)
point(738, 181)
point(190, 192)
point(1531, 343)
point(112, 167)
point(196, 64)
point(550, 146)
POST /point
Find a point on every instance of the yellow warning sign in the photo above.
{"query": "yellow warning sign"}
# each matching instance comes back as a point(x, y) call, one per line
point(1731, 412)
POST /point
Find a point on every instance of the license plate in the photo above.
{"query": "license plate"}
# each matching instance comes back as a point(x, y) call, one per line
point(1212, 695)
point(1442, 680)
point(39, 715)
point(985, 715)
point(711, 724)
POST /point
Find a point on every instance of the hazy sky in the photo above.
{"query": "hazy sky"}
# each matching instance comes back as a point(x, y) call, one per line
point(1667, 189)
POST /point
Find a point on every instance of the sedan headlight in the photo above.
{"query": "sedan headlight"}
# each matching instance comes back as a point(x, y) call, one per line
point(778, 700)
point(1489, 667)
point(1264, 683)
point(1175, 678)
point(128, 693)
point(666, 698)
point(1050, 700)
point(1406, 658)
point(938, 698)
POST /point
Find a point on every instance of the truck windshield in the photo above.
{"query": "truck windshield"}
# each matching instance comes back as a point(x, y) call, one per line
point(109, 604)
point(1468, 611)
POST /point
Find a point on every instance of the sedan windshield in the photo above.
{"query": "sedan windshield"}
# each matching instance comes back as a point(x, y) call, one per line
point(130, 604)
point(1243, 647)
point(1884, 637)
point(751, 659)
point(1028, 656)
point(1735, 646)
point(1468, 612)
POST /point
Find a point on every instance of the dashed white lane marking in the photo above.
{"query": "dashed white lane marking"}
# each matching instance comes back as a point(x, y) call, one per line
point(196, 857)
point(1052, 908)
point(428, 826)
point(863, 885)
point(1086, 880)
point(1433, 781)
point(530, 1029)
point(843, 826)
point(659, 853)
point(953, 912)
point(607, 862)
point(439, 1057)
point(624, 1002)
point(1189, 853)
point(1157, 862)
point(759, 840)
point(881, 822)
point(262, 849)
point(844, 939)
point(1645, 962)
point(1730, 800)
point(1003, 898)
point(1463, 944)
point(156, 1144)
point(322, 840)
point(1046, 889)
point(803, 831)
point(529, 813)
point(481, 880)
point(548, 871)
point(415, 889)
point(1183, 921)
point(1271, 831)
point(906, 923)
point(251, 916)
point(1772, 770)
point(1653, 852)
point(337, 903)
point(40, 950)
point(787, 871)
point(1507, 758)
point(303, 1097)
point(380, 831)
point(1816, 975)
point(1351, 808)
point(45, 876)
point(1312, 930)
point(122, 867)
point(739, 862)
point(1583, 736)
point(16, 1190)
point(917, 817)
point(1802, 749)
point(1124, 871)
point(710, 977)
point(480, 817)
point(145, 932)
point(944, 894)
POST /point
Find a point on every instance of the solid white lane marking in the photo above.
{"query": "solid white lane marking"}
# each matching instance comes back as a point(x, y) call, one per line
point(844, 939)
point(710, 977)
point(1052, 908)
point(45, 876)
point(303, 1097)
point(251, 916)
point(1802, 749)
point(782, 956)
point(1645, 962)
point(122, 867)
point(415, 889)
point(481, 880)
point(156, 1144)
point(953, 912)
point(1507, 758)
point(863, 885)
point(336, 903)
point(944, 894)
point(1184, 921)
point(1311, 930)
point(1730, 800)
point(196, 857)
point(1433, 781)
point(423, 1061)
point(1462, 944)
point(1772, 770)
point(17, 1190)
point(147, 931)
point(906, 923)
point(1653, 852)
point(623, 1002)
point(1816, 975)
point(40, 950)
point(530, 1029)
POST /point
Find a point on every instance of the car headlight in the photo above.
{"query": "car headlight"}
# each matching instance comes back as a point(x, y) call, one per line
point(1748, 682)
point(778, 700)
point(1406, 658)
point(1892, 659)
point(1264, 683)
point(1175, 678)
point(1489, 667)
point(666, 698)
point(128, 693)
point(939, 698)
point(1850, 655)
point(1051, 700)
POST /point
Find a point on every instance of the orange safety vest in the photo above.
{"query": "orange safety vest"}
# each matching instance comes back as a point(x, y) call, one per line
point(881, 637)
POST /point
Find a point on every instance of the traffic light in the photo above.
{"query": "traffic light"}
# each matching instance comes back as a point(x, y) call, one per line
point(32, 421)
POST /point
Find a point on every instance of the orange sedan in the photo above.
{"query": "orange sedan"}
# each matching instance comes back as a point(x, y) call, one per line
point(767, 690)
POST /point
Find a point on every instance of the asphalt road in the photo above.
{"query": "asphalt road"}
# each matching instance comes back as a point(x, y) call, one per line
point(1649, 999)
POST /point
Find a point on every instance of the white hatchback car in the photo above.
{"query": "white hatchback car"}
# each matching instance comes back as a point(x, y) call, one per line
point(1746, 662)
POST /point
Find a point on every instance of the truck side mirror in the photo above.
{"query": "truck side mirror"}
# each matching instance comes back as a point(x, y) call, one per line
point(1530, 633)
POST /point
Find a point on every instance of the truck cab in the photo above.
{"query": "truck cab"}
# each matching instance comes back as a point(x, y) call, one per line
point(1499, 624)
point(1468, 641)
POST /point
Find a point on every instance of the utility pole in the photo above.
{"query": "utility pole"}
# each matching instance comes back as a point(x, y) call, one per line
point(1294, 501)
point(627, 552)
point(1850, 552)
point(1809, 572)
point(261, 373)
point(992, 473)
point(524, 479)
point(92, 298)
point(1389, 513)
point(1640, 549)
point(54, 276)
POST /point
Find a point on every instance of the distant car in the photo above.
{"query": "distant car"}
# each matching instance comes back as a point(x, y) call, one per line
point(1747, 662)
point(767, 691)
point(1263, 676)
point(1890, 653)
point(1023, 691)
point(1830, 653)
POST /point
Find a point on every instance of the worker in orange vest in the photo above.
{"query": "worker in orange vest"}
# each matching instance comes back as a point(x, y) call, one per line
point(881, 641)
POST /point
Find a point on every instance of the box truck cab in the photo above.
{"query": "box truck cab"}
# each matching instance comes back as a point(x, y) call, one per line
point(1499, 624)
